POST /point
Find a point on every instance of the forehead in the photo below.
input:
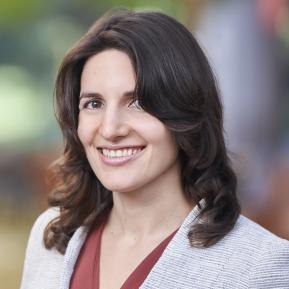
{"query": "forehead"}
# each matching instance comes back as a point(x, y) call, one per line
point(109, 70)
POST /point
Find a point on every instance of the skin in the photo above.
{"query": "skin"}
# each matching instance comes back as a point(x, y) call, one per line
point(149, 203)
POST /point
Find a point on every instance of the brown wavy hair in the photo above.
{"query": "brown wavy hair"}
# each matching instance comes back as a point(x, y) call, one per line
point(174, 82)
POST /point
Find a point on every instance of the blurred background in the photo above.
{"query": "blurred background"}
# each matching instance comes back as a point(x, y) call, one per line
point(247, 43)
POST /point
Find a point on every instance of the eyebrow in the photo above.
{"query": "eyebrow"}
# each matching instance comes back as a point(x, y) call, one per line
point(127, 94)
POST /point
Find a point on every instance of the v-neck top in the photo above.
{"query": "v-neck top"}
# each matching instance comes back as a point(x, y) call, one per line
point(86, 272)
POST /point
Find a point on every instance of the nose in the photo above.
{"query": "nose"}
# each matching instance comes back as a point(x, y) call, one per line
point(113, 125)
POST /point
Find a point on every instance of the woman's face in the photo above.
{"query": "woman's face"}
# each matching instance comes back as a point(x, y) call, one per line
point(127, 148)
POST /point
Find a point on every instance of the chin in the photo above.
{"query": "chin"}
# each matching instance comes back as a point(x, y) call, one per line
point(116, 186)
point(119, 187)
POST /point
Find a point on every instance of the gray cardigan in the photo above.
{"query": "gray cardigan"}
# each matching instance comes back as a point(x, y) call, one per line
point(248, 257)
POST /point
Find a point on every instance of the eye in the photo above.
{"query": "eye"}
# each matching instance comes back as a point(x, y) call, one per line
point(135, 104)
point(92, 104)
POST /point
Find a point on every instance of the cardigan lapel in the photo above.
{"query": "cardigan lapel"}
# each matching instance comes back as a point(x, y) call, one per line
point(174, 256)
point(71, 255)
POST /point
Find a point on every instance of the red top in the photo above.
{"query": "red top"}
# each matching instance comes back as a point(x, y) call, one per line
point(86, 273)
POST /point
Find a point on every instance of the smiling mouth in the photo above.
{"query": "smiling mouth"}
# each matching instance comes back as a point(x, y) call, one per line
point(121, 156)
point(120, 153)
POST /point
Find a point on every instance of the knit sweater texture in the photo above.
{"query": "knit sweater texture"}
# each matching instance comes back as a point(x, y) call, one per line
point(249, 257)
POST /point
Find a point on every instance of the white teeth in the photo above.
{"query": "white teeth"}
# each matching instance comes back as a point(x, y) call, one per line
point(119, 153)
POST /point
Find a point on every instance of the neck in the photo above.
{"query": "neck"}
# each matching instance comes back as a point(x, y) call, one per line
point(152, 211)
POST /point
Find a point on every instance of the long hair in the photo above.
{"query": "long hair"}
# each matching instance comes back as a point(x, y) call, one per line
point(174, 82)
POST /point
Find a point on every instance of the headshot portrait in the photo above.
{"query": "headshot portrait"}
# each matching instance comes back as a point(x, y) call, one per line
point(144, 193)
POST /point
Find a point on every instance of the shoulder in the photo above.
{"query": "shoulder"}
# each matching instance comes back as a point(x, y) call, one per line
point(43, 219)
point(248, 233)
point(271, 256)
point(249, 256)
point(39, 261)
point(254, 231)
point(264, 255)
point(37, 230)
point(271, 269)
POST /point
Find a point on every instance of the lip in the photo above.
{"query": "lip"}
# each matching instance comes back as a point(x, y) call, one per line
point(117, 147)
point(119, 161)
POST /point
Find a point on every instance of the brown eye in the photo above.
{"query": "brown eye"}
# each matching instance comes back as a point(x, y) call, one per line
point(92, 104)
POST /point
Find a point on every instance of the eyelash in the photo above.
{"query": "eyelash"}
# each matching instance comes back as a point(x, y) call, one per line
point(98, 102)
point(87, 103)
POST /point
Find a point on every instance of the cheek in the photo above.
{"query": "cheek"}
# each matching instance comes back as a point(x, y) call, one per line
point(169, 146)
point(85, 130)
point(159, 136)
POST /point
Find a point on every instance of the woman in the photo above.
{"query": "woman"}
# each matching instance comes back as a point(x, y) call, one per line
point(144, 195)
